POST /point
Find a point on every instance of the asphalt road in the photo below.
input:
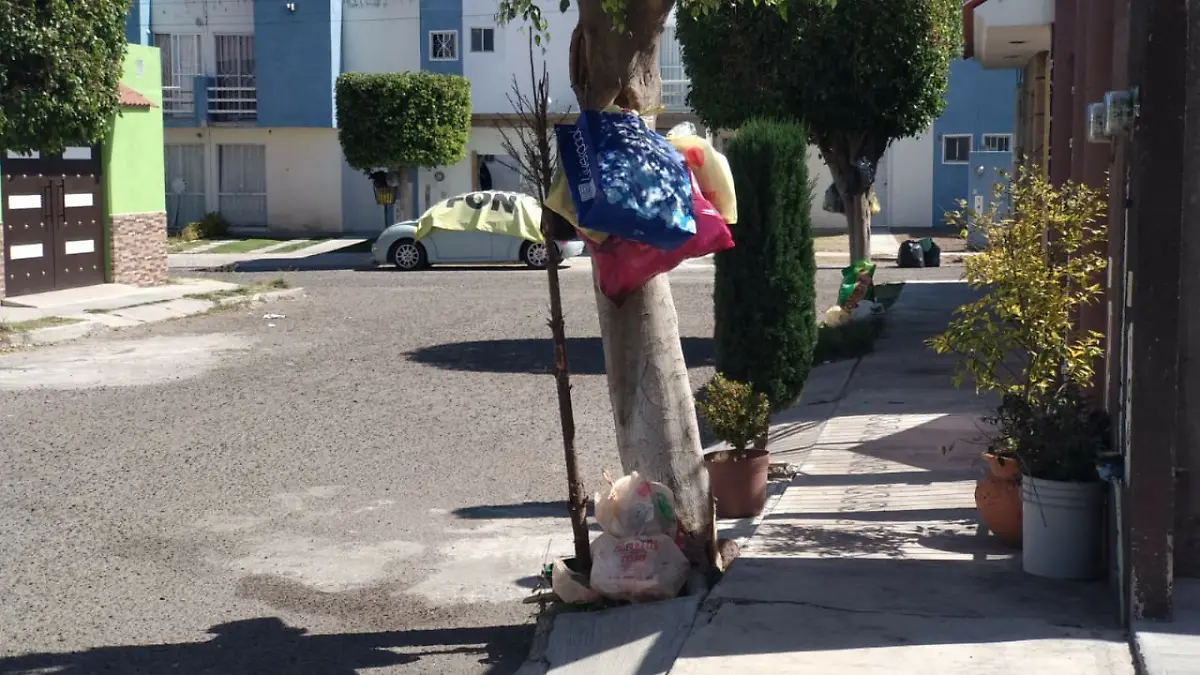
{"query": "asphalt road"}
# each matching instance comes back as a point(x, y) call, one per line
point(371, 482)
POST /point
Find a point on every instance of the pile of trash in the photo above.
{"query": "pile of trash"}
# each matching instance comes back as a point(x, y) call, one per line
point(642, 202)
point(639, 557)
point(856, 297)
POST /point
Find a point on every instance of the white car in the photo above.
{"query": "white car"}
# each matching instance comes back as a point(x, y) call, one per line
point(396, 246)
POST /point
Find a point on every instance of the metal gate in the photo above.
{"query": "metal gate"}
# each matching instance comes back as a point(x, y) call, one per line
point(53, 222)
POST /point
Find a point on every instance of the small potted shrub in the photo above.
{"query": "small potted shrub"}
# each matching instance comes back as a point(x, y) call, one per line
point(1019, 339)
point(739, 416)
point(1057, 439)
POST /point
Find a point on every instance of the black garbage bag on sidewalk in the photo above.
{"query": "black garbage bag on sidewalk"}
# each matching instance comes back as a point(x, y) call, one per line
point(911, 254)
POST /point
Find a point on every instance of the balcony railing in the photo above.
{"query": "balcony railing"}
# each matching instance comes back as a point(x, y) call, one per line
point(675, 82)
point(178, 102)
point(233, 103)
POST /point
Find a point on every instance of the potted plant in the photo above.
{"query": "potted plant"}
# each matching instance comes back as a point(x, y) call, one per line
point(739, 416)
point(1057, 439)
point(1020, 339)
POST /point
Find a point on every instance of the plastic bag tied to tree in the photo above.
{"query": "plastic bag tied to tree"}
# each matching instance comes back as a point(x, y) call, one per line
point(626, 180)
point(623, 266)
point(710, 169)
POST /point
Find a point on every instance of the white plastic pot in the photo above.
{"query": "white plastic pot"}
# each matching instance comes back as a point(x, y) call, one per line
point(1060, 527)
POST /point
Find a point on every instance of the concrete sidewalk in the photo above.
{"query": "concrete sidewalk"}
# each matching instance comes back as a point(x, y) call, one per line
point(320, 256)
point(873, 561)
point(58, 316)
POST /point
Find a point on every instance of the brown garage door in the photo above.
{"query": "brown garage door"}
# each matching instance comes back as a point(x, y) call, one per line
point(53, 222)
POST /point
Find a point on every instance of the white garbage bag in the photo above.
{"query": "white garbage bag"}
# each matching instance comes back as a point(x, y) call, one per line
point(634, 506)
point(637, 569)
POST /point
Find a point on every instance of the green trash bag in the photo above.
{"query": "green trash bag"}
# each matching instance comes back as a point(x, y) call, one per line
point(858, 283)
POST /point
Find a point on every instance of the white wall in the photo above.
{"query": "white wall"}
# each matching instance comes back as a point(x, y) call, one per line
point(903, 184)
point(381, 37)
point(491, 74)
point(303, 173)
point(304, 180)
point(457, 179)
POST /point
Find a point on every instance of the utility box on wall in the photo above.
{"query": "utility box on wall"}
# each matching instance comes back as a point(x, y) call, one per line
point(990, 171)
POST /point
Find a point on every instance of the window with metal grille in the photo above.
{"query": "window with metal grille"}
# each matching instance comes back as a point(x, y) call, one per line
point(956, 148)
point(235, 96)
point(997, 142)
point(243, 184)
point(483, 40)
point(443, 45)
point(180, 66)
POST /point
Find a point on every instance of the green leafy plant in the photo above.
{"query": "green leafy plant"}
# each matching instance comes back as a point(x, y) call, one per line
point(388, 120)
point(736, 414)
point(1042, 263)
point(211, 226)
point(1056, 436)
point(61, 64)
point(764, 293)
point(833, 64)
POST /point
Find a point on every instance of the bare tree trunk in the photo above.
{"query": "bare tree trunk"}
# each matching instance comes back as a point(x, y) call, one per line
point(651, 395)
point(858, 221)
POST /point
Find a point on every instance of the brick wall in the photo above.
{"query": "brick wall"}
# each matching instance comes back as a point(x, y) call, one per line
point(139, 248)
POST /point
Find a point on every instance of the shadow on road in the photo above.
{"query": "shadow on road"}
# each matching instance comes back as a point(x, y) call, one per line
point(268, 646)
point(556, 509)
point(585, 355)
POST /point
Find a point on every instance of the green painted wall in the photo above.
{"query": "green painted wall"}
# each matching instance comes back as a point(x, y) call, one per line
point(133, 155)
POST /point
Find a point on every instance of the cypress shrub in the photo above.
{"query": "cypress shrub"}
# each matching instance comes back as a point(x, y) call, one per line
point(766, 324)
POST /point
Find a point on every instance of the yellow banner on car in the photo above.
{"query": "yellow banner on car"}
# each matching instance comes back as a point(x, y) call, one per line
point(512, 213)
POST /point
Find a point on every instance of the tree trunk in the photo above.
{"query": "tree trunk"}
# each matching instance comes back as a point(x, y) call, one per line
point(651, 395)
point(858, 221)
point(841, 153)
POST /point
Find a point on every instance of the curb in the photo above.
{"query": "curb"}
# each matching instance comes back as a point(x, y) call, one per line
point(82, 329)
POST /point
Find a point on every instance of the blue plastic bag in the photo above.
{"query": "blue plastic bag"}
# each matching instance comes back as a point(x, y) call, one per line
point(627, 180)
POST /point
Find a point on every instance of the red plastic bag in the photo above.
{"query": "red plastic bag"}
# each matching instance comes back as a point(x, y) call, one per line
point(623, 266)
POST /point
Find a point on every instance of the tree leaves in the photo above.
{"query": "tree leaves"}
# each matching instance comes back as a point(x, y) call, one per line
point(62, 62)
point(403, 119)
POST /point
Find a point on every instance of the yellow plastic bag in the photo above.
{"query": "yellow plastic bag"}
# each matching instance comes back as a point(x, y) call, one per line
point(710, 168)
point(559, 201)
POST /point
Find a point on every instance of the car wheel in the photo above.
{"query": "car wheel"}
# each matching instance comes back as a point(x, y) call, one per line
point(535, 255)
point(408, 255)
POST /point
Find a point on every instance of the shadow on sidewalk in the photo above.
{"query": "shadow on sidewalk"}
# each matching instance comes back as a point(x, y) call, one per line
point(268, 646)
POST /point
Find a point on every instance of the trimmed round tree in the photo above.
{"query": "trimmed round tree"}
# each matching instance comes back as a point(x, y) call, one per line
point(764, 297)
point(62, 64)
point(399, 120)
point(861, 75)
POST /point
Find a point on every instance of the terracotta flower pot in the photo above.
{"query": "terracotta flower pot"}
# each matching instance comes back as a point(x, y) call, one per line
point(998, 498)
point(740, 488)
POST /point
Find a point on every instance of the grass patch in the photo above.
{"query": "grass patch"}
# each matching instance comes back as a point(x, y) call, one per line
point(847, 341)
point(243, 291)
point(242, 245)
point(831, 242)
point(298, 246)
point(360, 247)
point(177, 245)
point(36, 324)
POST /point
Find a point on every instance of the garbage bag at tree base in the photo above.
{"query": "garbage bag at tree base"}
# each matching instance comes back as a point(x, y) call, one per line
point(634, 506)
point(637, 569)
point(626, 180)
point(857, 284)
point(709, 168)
point(623, 266)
